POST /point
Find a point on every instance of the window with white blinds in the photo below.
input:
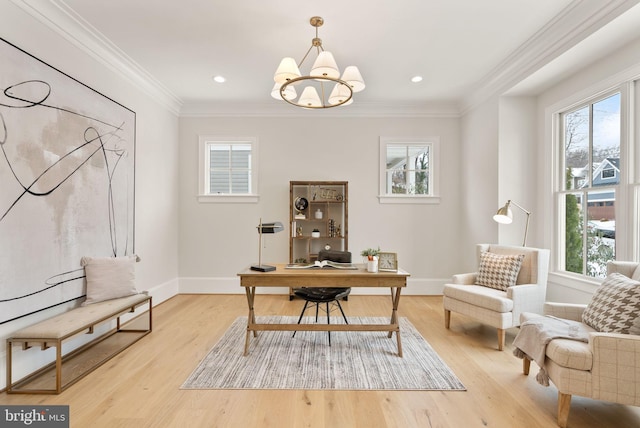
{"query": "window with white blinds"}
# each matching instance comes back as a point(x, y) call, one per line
point(227, 167)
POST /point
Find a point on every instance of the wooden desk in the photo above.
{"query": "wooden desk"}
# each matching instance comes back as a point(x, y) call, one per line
point(326, 277)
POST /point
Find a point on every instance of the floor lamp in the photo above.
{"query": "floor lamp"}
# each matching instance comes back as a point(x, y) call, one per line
point(273, 227)
point(505, 216)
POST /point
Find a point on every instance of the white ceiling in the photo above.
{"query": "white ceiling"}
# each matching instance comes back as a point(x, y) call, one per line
point(456, 45)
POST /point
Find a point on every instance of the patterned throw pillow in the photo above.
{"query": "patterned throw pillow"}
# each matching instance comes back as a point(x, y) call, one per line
point(615, 305)
point(499, 271)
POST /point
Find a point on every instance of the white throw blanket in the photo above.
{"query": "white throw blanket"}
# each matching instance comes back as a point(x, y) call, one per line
point(535, 334)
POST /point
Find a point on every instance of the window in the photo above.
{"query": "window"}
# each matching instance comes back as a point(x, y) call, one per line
point(590, 191)
point(608, 173)
point(408, 170)
point(227, 169)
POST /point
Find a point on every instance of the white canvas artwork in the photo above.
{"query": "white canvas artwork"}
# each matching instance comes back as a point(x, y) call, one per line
point(67, 166)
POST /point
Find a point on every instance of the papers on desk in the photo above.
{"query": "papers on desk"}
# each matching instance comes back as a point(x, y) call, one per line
point(322, 264)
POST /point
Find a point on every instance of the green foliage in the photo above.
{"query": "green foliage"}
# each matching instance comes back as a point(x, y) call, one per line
point(370, 252)
point(598, 252)
point(573, 235)
point(421, 165)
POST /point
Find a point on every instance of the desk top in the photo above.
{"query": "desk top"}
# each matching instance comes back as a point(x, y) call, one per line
point(322, 277)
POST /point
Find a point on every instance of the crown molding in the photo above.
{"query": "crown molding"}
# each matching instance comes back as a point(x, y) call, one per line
point(577, 21)
point(361, 109)
point(59, 17)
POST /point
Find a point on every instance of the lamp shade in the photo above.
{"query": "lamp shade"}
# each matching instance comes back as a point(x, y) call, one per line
point(287, 70)
point(353, 77)
point(289, 92)
point(310, 98)
point(340, 93)
point(273, 227)
point(325, 66)
point(504, 215)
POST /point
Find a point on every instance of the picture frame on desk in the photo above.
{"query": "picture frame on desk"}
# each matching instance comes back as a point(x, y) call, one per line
point(387, 262)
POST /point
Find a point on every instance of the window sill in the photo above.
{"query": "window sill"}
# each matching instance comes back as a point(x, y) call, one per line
point(229, 199)
point(574, 281)
point(408, 199)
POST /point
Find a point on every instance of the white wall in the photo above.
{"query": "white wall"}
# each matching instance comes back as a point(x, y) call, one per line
point(218, 240)
point(478, 168)
point(156, 234)
point(518, 167)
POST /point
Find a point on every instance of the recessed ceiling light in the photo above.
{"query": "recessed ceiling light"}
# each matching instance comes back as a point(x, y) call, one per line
point(416, 79)
point(219, 79)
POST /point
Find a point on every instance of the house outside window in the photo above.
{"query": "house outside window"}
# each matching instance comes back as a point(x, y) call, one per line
point(228, 169)
point(588, 196)
point(408, 170)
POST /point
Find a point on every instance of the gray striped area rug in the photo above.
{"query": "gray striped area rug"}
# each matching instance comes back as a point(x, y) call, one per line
point(354, 361)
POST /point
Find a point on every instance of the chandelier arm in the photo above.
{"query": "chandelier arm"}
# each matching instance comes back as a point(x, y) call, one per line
point(305, 56)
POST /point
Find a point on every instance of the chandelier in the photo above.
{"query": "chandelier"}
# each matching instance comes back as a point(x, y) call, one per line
point(323, 77)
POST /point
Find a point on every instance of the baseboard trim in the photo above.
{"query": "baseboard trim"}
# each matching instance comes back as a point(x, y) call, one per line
point(164, 291)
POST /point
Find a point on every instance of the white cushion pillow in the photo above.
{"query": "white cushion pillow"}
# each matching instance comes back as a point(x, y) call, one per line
point(498, 271)
point(615, 305)
point(109, 278)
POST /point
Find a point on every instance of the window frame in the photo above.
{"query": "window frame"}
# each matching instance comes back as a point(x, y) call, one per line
point(627, 196)
point(434, 167)
point(204, 141)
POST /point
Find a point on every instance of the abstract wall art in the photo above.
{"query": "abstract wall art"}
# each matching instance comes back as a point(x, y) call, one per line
point(67, 182)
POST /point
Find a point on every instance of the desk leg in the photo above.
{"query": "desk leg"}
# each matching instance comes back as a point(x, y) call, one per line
point(251, 318)
point(395, 300)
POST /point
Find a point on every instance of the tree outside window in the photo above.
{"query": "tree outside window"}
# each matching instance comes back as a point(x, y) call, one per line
point(408, 169)
point(591, 136)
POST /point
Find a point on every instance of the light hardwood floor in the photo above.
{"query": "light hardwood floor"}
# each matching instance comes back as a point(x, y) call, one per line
point(141, 386)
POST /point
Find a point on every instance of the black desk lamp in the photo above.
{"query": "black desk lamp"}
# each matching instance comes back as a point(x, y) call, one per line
point(273, 227)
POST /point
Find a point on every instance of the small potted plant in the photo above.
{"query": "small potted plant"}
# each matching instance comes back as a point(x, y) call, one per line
point(370, 253)
point(372, 258)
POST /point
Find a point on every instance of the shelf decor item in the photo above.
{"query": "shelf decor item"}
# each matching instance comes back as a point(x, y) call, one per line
point(301, 204)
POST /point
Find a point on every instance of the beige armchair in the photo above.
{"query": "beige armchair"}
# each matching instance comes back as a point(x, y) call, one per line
point(500, 308)
point(606, 368)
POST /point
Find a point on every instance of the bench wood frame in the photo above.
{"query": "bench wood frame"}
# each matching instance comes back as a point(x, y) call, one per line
point(111, 343)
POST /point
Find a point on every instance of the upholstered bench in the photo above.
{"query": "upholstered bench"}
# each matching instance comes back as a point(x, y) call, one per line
point(71, 367)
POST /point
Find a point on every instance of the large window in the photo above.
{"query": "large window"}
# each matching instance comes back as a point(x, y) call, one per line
point(227, 169)
point(590, 193)
point(408, 170)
